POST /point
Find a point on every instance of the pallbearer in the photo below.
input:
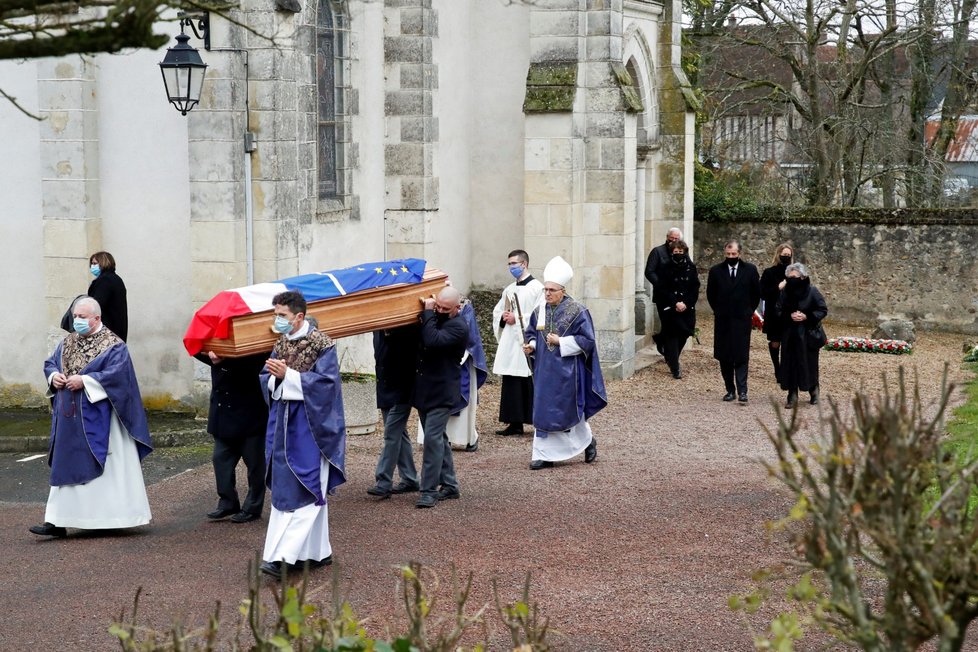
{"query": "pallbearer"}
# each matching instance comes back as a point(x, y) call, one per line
point(568, 386)
point(305, 441)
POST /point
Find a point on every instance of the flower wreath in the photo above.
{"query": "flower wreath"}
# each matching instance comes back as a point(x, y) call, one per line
point(861, 344)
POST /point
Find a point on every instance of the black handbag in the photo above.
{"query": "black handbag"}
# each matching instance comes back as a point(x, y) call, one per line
point(816, 337)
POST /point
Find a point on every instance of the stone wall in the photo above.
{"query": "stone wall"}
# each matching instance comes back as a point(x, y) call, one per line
point(870, 271)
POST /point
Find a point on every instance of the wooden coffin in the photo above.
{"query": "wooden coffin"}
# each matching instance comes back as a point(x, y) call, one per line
point(352, 314)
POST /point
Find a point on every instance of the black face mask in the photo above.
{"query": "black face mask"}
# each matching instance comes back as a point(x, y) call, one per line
point(441, 317)
point(785, 260)
point(796, 286)
point(678, 258)
point(733, 261)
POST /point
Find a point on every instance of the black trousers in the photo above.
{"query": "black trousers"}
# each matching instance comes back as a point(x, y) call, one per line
point(734, 373)
point(516, 400)
point(227, 453)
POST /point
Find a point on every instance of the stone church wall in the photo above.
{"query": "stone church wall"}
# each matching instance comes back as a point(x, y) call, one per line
point(925, 272)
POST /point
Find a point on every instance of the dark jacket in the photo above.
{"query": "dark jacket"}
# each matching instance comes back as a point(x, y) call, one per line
point(438, 381)
point(733, 302)
point(770, 279)
point(237, 408)
point(658, 259)
point(679, 282)
point(110, 292)
point(799, 355)
point(395, 357)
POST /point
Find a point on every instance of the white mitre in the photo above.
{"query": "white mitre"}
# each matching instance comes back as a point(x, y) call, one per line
point(558, 271)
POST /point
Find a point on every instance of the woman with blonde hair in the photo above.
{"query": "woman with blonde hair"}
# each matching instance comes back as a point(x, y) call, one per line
point(772, 282)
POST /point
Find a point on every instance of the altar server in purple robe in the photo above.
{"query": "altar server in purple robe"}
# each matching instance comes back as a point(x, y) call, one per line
point(305, 441)
point(568, 388)
point(99, 433)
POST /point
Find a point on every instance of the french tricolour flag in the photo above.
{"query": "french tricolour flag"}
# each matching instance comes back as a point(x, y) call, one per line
point(214, 317)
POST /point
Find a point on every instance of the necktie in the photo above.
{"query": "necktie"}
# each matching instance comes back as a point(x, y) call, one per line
point(733, 272)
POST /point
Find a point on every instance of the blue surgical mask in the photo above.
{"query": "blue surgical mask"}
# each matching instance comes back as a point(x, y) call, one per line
point(96, 270)
point(282, 325)
point(516, 271)
point(81, 326)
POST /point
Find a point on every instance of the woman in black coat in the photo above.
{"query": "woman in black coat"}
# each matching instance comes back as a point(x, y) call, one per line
point(800, 310)
point(772, 281)
point(110, 292)
point(678, 290)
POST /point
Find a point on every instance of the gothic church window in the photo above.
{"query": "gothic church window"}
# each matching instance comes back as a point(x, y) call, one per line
point(331, 32)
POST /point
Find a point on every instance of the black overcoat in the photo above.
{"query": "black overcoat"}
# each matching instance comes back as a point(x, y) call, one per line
point(799, 355)
point(679, 282)
point(733, 302)
point(110, 292)
point(395, 355)
point(658, 259)
point(438, 382)
point(770, 279)
point(237, 408)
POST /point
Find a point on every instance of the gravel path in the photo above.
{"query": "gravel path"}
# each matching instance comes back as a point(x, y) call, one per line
point(638, 551)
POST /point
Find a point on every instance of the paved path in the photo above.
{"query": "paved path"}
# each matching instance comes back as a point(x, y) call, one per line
point(639, 551)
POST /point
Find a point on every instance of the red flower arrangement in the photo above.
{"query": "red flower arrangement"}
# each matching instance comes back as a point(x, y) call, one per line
point(861, 344)
point(756, 321)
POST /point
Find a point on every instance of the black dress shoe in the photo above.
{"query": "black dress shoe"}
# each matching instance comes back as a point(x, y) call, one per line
point(426, 500)
point(742, 398)
point(404, 488)
point(379, 491)
point(447, 493)
point(729, 396)
point(220, 513)
point(591, 452)
point(536, 465)
point(48, 530)
point(471, 448)
point(511, 430)
point(245, 517)
point(814, 394)
point(272, 568)
point(313, 563)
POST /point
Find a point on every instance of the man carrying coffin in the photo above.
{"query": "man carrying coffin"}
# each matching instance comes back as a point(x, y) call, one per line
point(305, 440)
point(460, 429)
point(568, 386)
point(99, 433)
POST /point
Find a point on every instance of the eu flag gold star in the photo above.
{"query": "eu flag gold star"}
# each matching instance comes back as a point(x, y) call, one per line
point(393, 272)
point(379, 270)
point(404, 269)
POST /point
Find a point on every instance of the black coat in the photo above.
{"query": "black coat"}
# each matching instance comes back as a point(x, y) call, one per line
point(733, 302)
point(799, 352)
point(678, 282)
point(237, 408)
point(657, 261)
point(395, 356)
point(770, 279)
point(438, 380)
point(110, 292)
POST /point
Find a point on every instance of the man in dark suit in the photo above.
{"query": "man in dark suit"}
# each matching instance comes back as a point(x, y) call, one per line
point(237, 419)
point(659, 259)
point(395, 354)
point(733, 290)
point(443, 338)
